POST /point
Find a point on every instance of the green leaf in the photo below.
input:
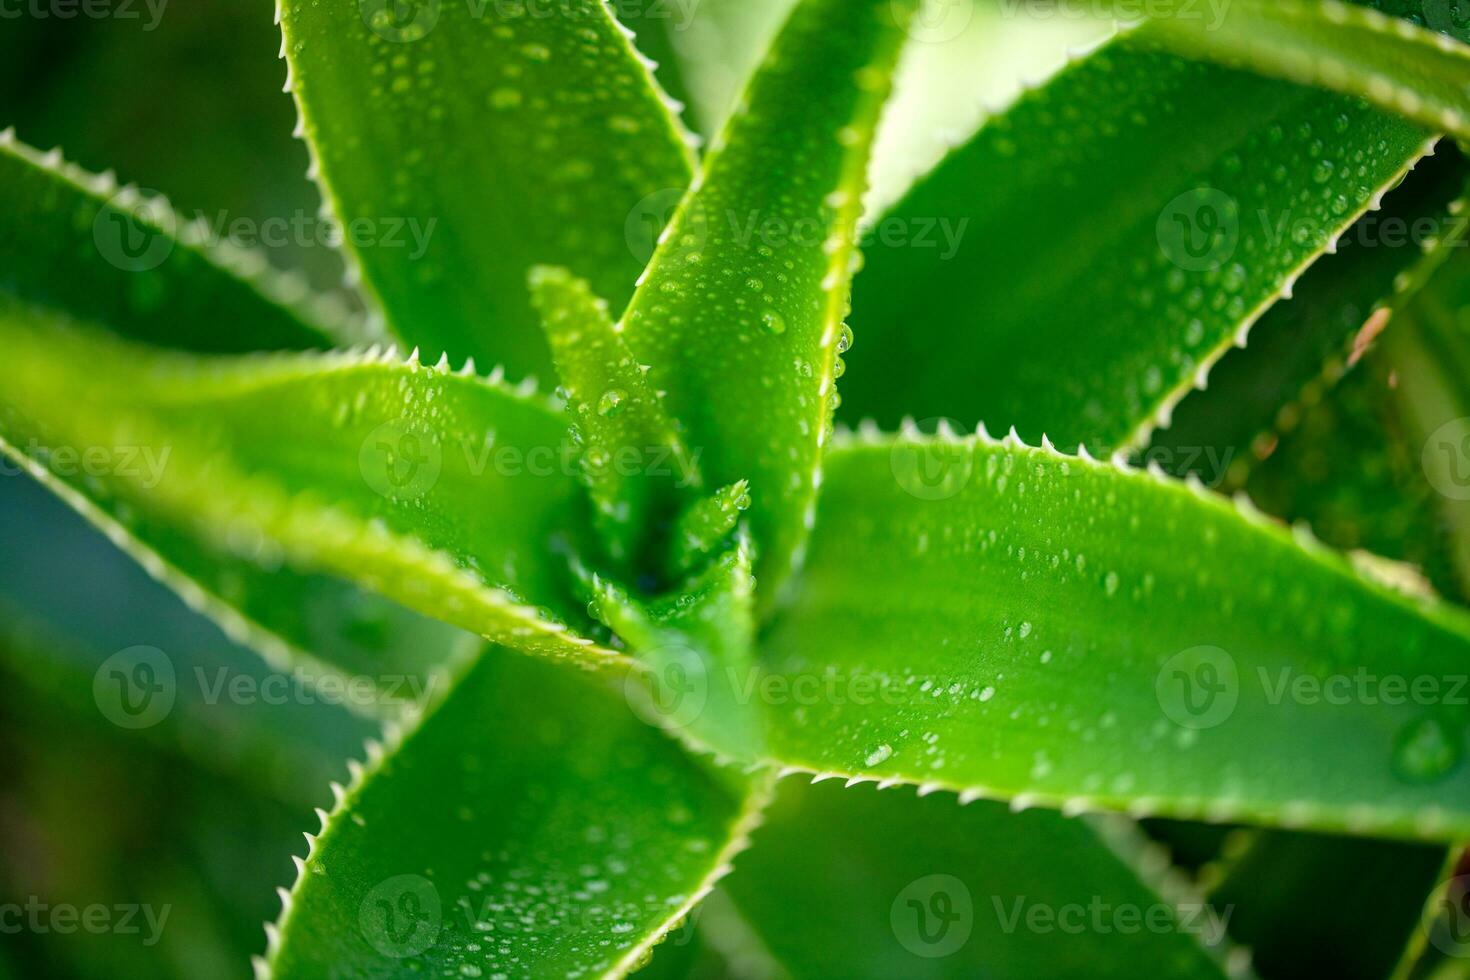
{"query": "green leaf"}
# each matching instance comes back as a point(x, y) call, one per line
point(551, 145)
point(571, 839)
point(706, 524)
point(440, 491)
point(1300, 349)
point(1184, 201)
point(79, 244)
point(740, 313)
point(1053, 630)
point(632, 455)
point(695, 651)
point(892, 886)
point(1352, 48)
point(1327, 906)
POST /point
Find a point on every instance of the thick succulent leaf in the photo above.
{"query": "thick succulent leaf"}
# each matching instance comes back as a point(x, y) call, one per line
point(695, 649)
point(572, 838)
point(552, 145)
point(893, 886)
point(79, 620)
point(1301, 348)
point(1346, 907)
point(740, 314)
point(1206, 191)
point(79, 244)
point(1403, 67)
point(440, 491)
point(1054, 630)
point(631, 453)
point(705, 525)
point(654, 27)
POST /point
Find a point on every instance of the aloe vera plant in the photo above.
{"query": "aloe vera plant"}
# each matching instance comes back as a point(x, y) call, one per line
point(603, 636)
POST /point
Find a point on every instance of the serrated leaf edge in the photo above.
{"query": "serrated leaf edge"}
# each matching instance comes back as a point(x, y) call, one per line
point(396, 733)
point(288, 289)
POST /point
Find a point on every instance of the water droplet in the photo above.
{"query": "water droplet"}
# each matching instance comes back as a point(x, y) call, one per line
point(1425, 751)
point(773, 322)
point(880, 754)
point(844, 340)
point(611, 402)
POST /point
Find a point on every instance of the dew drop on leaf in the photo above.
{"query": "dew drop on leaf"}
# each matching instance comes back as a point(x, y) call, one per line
point(1425, 751)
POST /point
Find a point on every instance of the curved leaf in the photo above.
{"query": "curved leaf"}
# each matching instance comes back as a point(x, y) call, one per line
point(551, 145)
point(1403, 67)
point(1303, 347)
point(632, 455)
point(891, 886)
point(740, 314)
point(77, 243)
point(1079, 287)
point(1049, 629)
point(571, 841)
point(441, 492)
